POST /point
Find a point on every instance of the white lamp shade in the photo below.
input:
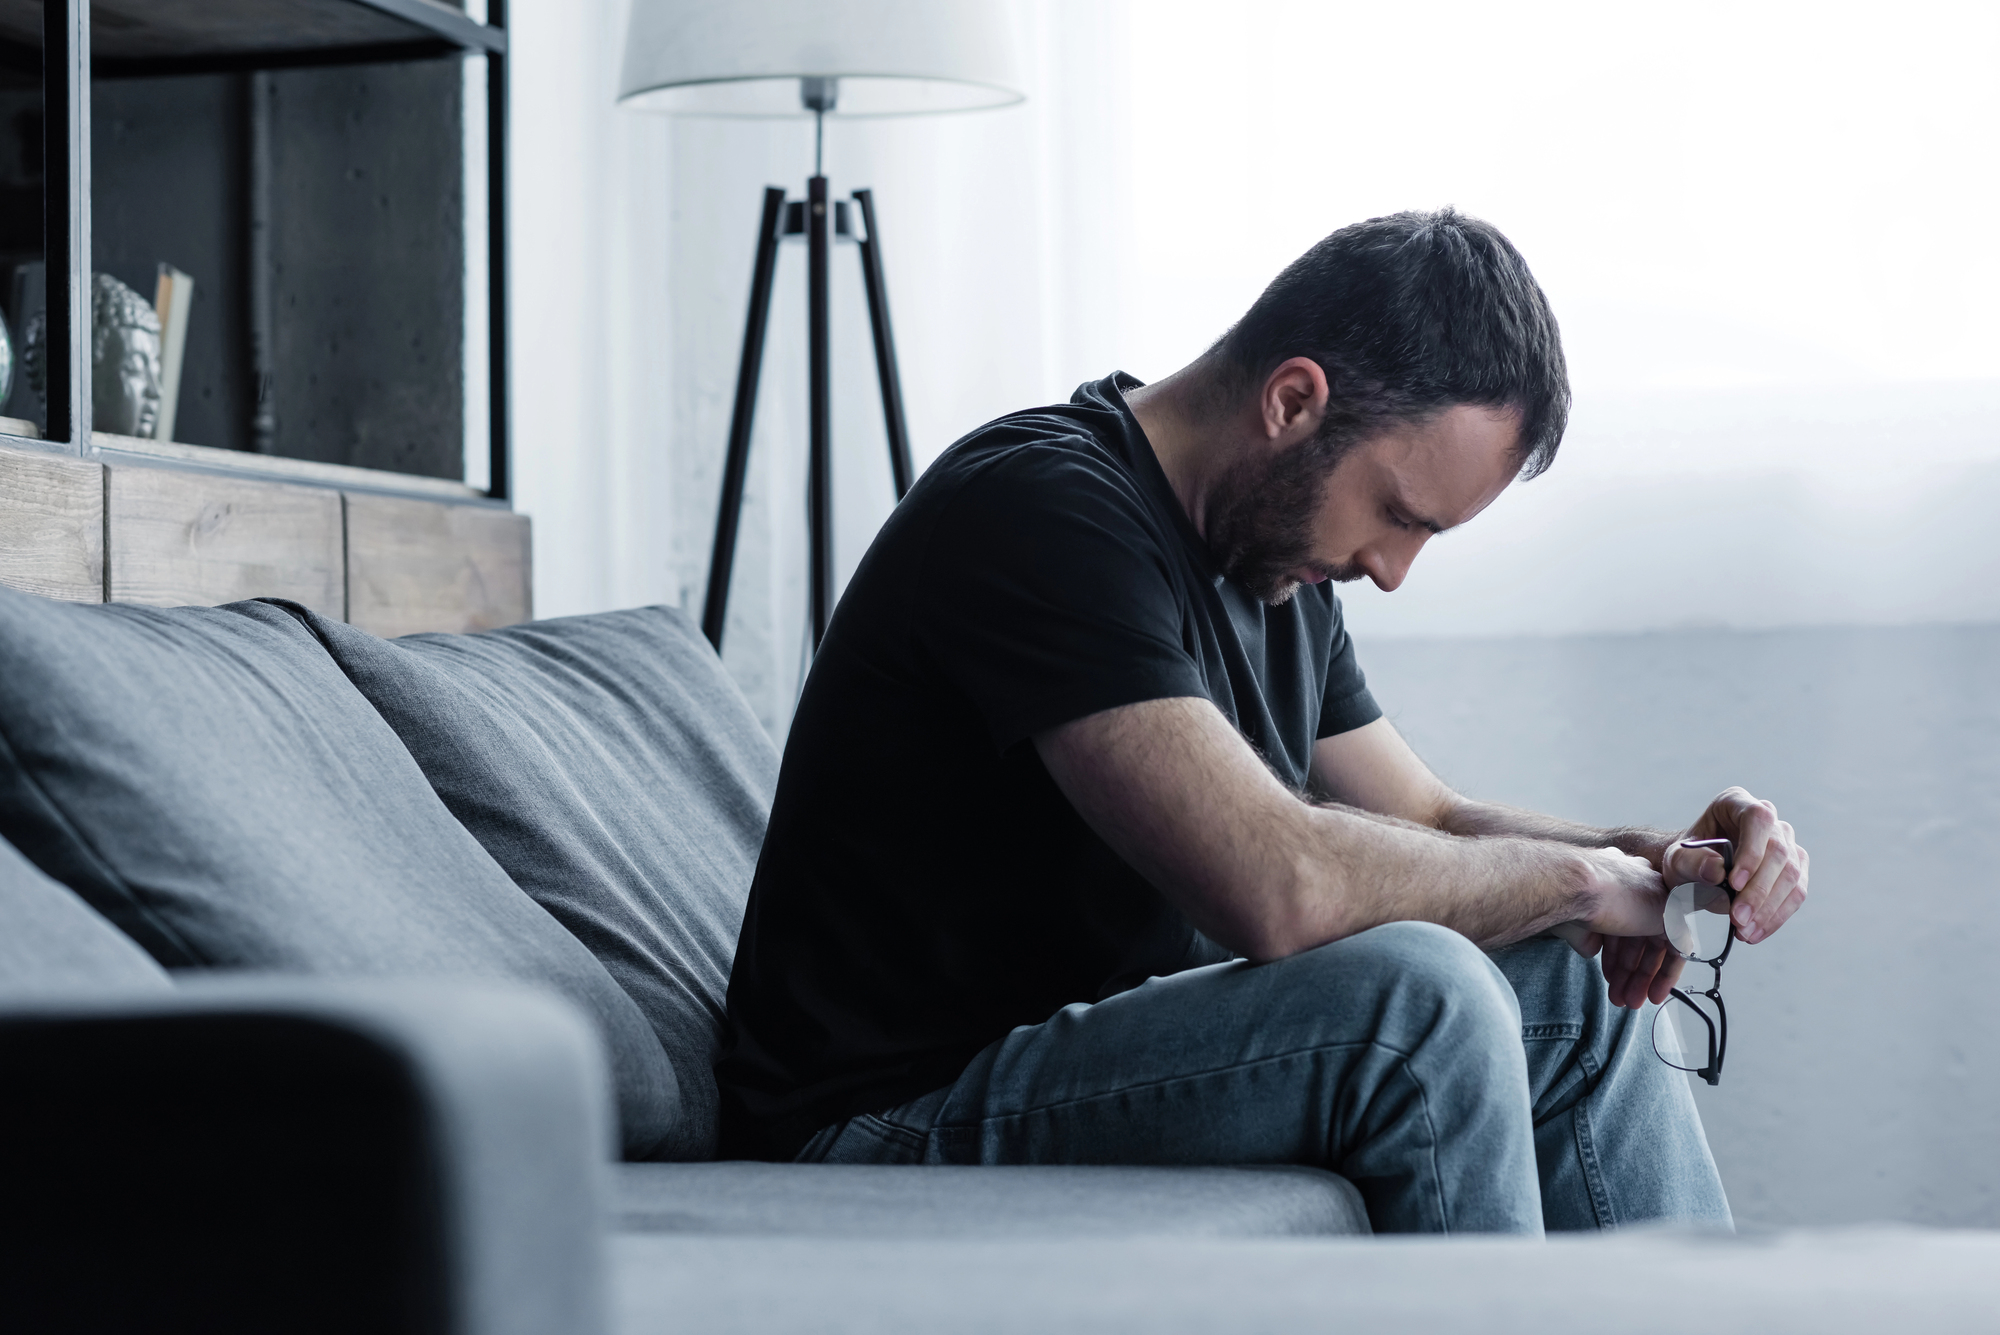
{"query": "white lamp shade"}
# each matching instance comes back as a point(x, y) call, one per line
point(892, 57)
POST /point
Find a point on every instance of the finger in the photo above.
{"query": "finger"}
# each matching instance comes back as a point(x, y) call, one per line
point(1743, 910)
point(1778, 853)
point(1793, 900)
point(1756, 826)
point(1669, 974)
point(1657, 956)
point(1773, 880)
point(1581, 939)
point(1615, 969)
point(1613, 963)
point(1632, 955)
point(1617, 950)
point(1769, 910)
point(1793, 903)
point(1652, 956)
point(1637, 978)
point(1682, 865)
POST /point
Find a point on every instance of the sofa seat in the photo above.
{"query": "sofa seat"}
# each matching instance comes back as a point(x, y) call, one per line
point(869, 1201)
point(1828, 1282)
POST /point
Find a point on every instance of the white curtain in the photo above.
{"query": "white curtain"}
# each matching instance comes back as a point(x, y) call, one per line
point(1763, 226)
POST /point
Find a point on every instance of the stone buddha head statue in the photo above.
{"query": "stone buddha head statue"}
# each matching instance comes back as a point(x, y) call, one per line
point(124, 359)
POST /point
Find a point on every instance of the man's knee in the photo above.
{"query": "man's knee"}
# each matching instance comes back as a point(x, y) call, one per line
point(1424, 952)
point(1430, 976)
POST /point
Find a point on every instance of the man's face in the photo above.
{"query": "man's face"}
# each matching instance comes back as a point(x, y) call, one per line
point(1280, 522)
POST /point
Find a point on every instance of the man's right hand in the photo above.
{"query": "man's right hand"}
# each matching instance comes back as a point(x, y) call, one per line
point(1625, 928)
point(1626, 895)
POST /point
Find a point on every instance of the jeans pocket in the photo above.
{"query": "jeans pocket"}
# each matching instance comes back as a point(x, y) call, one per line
point(1559, 1072)
point(866, 1139)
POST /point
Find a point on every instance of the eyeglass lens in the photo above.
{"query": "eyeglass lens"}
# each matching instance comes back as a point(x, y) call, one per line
point(1685, 1029)
point(1697, 918)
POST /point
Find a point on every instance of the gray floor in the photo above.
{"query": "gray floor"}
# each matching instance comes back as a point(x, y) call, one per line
point(1864, 1065)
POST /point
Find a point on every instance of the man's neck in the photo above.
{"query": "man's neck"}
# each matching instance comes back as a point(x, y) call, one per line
point(1192, 443)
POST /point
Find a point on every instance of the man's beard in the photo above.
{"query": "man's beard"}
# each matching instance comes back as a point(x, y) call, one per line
point(1260, 523)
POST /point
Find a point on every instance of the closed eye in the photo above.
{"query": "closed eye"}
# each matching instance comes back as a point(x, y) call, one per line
point(1409, 524)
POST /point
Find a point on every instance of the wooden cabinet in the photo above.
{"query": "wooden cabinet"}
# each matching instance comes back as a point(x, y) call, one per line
point(318, 534)
point(89, 515)
point(312, 158)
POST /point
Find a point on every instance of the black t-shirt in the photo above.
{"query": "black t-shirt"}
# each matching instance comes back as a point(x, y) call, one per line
point(924, 886)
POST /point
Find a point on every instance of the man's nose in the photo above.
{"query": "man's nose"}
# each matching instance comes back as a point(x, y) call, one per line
point(1389, 564)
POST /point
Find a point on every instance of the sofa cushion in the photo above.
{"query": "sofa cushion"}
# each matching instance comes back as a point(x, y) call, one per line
point(208, 780)
point(923, 1201)
point(1638, 1281)
point(610, 765)
point(52, 941)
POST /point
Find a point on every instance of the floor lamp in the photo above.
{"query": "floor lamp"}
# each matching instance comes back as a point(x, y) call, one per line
point(818, 58)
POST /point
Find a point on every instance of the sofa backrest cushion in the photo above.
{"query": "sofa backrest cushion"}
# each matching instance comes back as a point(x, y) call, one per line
point(610, 765)
point(207, 780)
point(52, 941)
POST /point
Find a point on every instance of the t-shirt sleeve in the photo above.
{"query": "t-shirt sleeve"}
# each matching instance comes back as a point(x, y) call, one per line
point(1048, 596)
point(1347, 704)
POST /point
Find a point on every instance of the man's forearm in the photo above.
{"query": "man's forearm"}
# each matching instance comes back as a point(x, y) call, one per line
point(1375, 869)
point(1171, 786)
point(1467, 817)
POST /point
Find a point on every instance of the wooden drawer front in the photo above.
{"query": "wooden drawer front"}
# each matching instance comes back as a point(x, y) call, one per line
point(178, 538)
point(421, 565)
point(52, 525)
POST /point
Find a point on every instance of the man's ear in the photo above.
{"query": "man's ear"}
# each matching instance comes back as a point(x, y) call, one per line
point(1294, 401)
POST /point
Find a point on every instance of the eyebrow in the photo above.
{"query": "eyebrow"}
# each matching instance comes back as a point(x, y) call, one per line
point(1410, 513)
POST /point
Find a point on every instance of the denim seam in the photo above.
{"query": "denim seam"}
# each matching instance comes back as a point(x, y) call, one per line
point(885, 1130)
point(1178, 1078)
point(1586, 1147)
point(1403, 1065)
point(1430, 1130)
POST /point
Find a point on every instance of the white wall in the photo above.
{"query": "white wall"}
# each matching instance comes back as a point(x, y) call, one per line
point(1863, 1074)
point(1764, 227)
point(591, 340)
point(1755, 221)
point(634, 239)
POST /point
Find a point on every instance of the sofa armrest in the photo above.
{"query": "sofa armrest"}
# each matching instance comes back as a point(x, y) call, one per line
point(282, 1153)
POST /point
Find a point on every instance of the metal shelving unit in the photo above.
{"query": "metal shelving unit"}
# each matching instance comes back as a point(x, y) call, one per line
point(72, 42)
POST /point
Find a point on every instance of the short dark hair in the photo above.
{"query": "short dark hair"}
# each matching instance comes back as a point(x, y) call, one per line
point(1409, 315)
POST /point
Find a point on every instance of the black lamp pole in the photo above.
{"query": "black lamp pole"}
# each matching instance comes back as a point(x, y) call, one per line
point(811, 219)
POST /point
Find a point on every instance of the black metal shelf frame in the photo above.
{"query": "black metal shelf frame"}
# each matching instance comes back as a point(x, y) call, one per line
point(67, 71)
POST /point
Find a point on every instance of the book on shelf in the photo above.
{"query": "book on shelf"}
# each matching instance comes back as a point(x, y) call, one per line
point(172, 297)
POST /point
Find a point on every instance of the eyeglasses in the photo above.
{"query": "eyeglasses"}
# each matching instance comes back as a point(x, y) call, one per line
point(1700, 931)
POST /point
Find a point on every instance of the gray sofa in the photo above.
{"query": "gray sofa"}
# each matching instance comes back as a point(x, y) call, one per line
point(353, 984)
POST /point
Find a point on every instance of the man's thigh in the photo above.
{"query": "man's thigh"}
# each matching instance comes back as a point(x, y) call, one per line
point(1300, 1060)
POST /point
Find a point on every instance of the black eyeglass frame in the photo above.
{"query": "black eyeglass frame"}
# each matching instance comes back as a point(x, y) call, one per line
point(1718, 1028)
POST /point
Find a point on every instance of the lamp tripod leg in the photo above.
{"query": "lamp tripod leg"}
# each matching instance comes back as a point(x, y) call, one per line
point(819, 480)
point(715, 605)
point(885, 347)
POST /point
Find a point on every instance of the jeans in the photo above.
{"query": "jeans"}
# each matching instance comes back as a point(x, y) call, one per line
point(1460, 1092)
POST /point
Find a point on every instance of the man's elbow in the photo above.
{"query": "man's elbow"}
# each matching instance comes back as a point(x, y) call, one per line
point(1294, 910)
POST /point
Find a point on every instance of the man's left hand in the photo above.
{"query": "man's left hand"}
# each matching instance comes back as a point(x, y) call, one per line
point(1769, 877)
point(1771, 865)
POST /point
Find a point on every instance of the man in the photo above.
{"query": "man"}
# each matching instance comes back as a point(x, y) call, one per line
point(1090, 845)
